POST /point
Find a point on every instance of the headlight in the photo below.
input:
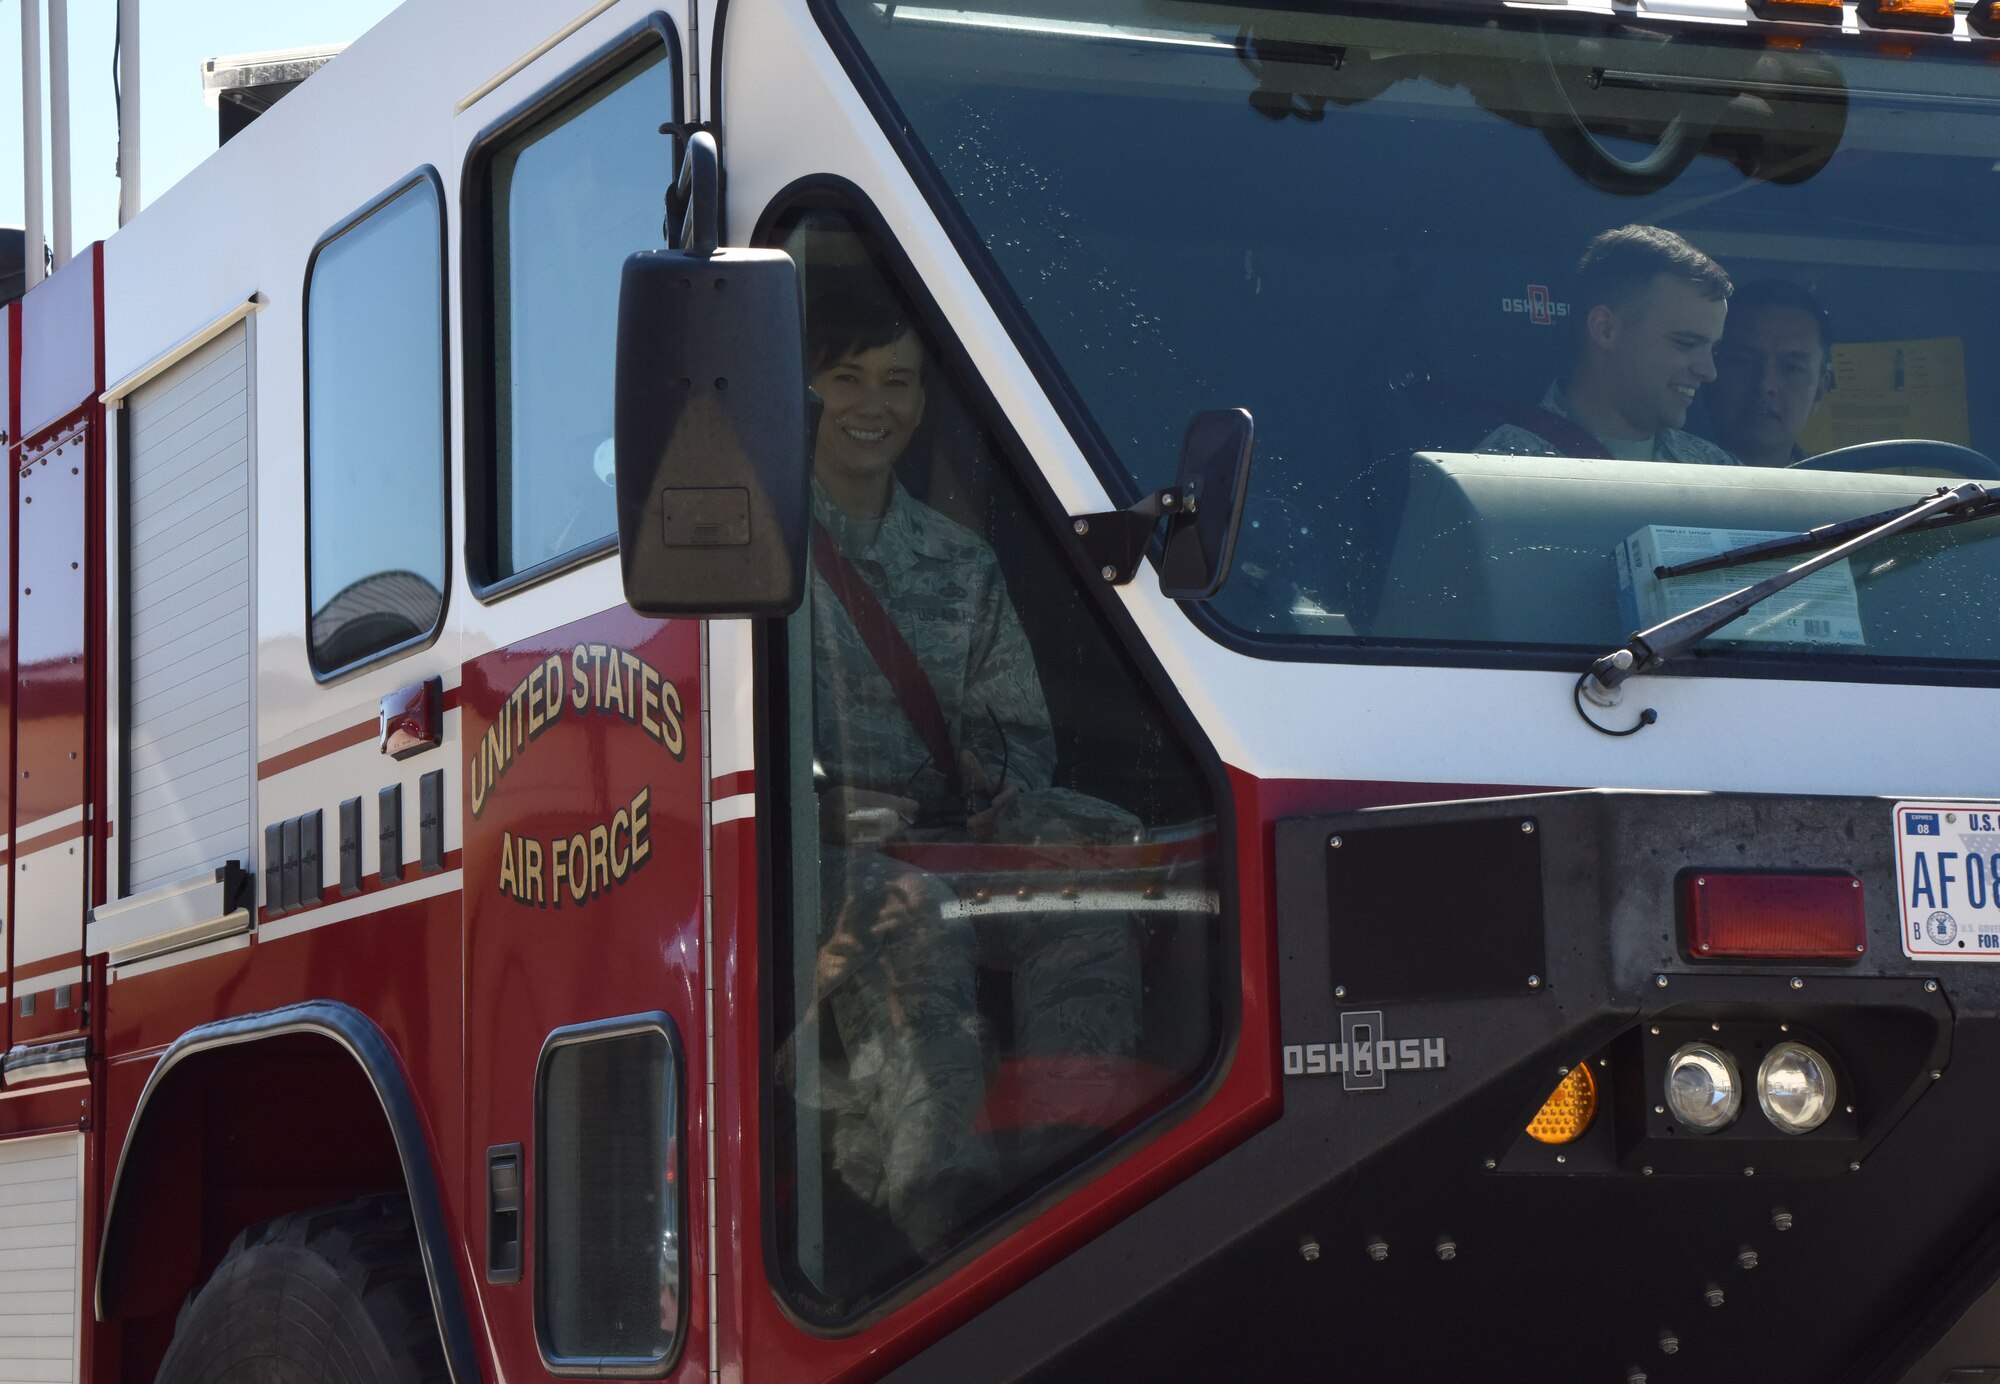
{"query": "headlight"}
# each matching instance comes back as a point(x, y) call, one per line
point(1703, 1090)
point(1795, 1087)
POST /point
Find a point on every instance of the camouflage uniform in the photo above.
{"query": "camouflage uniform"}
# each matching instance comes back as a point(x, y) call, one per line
point(1669, 444)
point(903, 1110)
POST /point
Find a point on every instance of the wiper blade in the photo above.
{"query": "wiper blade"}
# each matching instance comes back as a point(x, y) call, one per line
point(1649, 648)
point(1826, 535)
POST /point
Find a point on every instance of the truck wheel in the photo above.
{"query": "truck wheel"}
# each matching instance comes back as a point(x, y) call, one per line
point(335, 1294)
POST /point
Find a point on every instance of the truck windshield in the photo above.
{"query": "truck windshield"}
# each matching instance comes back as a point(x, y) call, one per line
point(1368, 232)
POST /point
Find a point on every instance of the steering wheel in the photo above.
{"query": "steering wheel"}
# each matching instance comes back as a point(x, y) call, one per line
point(1906, 455)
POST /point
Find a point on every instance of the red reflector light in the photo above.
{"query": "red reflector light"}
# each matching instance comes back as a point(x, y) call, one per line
point(1928, 16)
point(1773, 916)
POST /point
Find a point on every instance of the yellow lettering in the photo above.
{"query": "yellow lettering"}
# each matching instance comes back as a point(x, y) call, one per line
point(531, 870)
point(630, 683)
point(494, 749)
point(621, 827)
point(600, 654)
point(579, 695)
point(672, 721)
point(642, 844)
point(614, 689)
point(534, 681)
point(649, 701)
point(600, 859)
point(552, 688)
point(514, 727)
point(510, 884)
point(579, 878)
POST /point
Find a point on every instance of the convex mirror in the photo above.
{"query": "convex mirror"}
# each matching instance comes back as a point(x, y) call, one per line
point(713, 434)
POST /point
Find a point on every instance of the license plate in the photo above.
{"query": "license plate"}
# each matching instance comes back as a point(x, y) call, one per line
point(1948, 880)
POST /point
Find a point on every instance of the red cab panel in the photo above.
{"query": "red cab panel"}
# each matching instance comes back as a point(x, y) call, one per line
point(583, 896)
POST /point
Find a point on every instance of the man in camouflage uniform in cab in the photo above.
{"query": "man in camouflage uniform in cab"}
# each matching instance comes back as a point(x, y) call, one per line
point(1653, 308)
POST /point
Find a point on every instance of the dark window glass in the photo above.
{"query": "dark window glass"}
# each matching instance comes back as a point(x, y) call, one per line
point(568, 200)
point(1379, 260)
point(611, 1296)
point(1005, 934)
point(375, 432)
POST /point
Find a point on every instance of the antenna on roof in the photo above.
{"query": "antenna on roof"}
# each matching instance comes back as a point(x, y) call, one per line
point(694, 64)
point(126, 79)
point(59, 127)
point(31, 138)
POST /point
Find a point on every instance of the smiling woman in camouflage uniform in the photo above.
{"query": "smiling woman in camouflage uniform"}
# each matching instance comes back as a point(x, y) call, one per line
point(897, 966)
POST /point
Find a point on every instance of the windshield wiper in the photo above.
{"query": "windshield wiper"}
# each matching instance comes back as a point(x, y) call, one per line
point(1826, 535)
point(1649, 648)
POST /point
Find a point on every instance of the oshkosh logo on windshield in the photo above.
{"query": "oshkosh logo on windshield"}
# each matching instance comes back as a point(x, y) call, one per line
point(1540, 305)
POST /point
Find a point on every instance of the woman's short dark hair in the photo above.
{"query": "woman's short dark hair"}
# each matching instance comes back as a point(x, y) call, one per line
point(845, 317)
point(1618, 265)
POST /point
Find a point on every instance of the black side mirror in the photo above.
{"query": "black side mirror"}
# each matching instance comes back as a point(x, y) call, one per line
point(713, 436)
point(1203, 510)
point(1201, 530)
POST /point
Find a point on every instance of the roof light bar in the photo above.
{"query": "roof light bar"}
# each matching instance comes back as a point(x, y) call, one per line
point(1923, 16)
point(1985, 19)
point(1798, 11)
point(1773, 917)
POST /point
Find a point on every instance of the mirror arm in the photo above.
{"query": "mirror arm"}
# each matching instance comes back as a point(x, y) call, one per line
point(1115, 541)
point(696, 194)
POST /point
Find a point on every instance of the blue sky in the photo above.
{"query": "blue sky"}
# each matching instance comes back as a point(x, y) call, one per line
point(177, 127)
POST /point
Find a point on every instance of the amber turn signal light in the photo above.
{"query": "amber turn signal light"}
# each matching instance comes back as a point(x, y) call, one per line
point(1985, 19)
point(1924, 16)
point(1567, 1113)
point(1773, 917)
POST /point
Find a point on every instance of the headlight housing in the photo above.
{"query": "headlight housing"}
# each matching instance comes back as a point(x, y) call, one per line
point(1704, 1090)
point(1796, 1088)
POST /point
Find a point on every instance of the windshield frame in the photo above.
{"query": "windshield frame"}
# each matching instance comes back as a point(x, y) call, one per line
point(1066, 400)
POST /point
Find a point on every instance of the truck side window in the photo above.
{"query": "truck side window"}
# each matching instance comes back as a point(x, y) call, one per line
point(375, 430)
point(1005, 930)
point(563, 196)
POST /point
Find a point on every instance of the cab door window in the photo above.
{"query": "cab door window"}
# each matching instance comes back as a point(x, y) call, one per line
point(1004, 929)
point(560, 193)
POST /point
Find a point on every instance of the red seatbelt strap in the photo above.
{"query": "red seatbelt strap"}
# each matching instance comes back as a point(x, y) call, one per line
point(892, 653)
point(1566, 435)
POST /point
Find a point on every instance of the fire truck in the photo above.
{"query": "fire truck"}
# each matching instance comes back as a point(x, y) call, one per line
point(432, 948)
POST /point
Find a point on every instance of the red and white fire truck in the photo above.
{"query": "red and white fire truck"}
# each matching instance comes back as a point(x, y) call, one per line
point(417, 908)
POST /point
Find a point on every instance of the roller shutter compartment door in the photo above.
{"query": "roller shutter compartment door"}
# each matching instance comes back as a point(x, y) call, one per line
point(187, 786)
point(41, 1213)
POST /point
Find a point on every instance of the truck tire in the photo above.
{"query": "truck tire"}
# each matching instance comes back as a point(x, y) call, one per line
point(336, 1294)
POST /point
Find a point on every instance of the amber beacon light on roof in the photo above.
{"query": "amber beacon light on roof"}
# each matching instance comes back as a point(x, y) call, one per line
point(1923, 16)
point(1914, 16)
